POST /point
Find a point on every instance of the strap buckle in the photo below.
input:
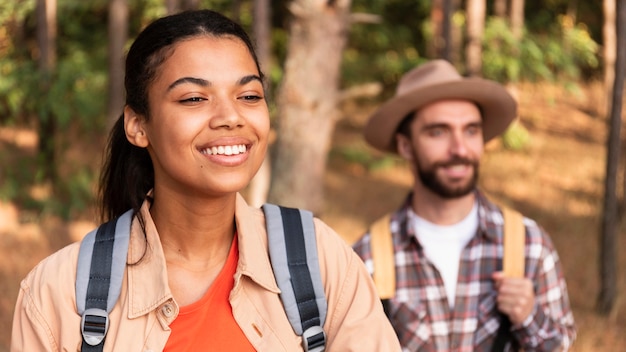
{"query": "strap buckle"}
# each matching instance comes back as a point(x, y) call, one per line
point(94, 326)
point(314, 339)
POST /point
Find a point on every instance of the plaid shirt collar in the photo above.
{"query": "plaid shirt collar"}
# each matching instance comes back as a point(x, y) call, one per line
point(487, 211)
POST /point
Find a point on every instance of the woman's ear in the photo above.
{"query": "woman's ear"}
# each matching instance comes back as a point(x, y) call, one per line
point(135, 128)
point(404, 146)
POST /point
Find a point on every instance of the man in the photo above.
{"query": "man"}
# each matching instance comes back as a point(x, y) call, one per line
point(450, 293)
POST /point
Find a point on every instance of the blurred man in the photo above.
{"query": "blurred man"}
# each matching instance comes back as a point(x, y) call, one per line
point(446, 240)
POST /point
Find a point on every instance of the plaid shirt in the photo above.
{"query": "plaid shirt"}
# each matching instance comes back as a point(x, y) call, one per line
point(420, 312)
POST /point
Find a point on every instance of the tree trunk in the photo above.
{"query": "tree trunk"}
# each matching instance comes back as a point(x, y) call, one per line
point(610, 218)
point(172, 6)
point(441, 18)
point(46, 40)
point(448, 10)
point(190, 5)
point(118, 33)
point(235, 7)
point(499, 8)
point(436, 19)
point(307, 101)
point(609, 50)
point(475, 28)
point(260, 184)
point(572, 10)
point(517, 18)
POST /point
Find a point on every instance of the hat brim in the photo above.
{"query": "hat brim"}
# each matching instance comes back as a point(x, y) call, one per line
point(497, 106)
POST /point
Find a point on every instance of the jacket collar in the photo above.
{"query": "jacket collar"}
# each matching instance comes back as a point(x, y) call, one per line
point(148, 286)
point(254, 258)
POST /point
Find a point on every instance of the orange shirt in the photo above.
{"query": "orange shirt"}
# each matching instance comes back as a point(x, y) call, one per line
point(208, 324)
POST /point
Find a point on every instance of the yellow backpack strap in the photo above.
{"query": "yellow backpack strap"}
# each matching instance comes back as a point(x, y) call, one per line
point(514, 243)
point(383, 256)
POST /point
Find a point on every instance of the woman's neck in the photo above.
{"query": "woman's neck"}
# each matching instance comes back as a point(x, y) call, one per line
point(193, 228)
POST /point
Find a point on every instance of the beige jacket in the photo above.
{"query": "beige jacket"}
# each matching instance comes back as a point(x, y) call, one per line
point(46, 320)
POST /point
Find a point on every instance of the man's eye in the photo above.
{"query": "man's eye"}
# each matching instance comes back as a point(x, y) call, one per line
point(436, 132)
point(473, 130)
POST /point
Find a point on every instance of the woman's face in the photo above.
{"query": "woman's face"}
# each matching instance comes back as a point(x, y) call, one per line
point(209, 122)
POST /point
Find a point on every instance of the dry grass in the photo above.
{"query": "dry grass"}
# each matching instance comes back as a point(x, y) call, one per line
point(558, 181)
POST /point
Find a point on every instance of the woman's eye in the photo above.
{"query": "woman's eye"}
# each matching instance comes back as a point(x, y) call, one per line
point(251, 98)
point(192, 100)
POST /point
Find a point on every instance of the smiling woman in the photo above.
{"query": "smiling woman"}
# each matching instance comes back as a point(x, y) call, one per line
point(198, 274)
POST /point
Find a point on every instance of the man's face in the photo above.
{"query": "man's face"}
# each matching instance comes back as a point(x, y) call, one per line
point(445, 147)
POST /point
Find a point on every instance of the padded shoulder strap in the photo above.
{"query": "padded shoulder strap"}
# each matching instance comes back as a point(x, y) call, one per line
point(383, 252)
point(383, 257)
point(99, 274)
point(293, 254)
point(513, 260)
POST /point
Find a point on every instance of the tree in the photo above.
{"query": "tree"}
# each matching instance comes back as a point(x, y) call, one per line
point(517, 18)
point(499, 8)
point(259, 186)
point(610, 45)
point(118, 34)
point(611, 216)
point(440, 16)
point(173, 6)
point(46, 40)
point(475, 27)
point(307, 101)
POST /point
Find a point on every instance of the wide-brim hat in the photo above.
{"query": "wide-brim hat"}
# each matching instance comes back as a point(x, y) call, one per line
point(433, 81)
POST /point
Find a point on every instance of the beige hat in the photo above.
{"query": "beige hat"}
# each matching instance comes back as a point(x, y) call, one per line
point(434, 81)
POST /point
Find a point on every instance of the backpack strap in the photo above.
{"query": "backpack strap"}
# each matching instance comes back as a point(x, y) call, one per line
point(382, 250)
point(102, 260)
point(293, 254)
point(513, 261)
point(99, 274)
point(514, 238)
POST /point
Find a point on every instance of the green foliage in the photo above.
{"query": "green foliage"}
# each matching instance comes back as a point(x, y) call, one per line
point(11, 10)
point(72, 195)
point(516, 137)
point(360, 155)
point(553, 48)
point(76, 87)
point(384, 51)
point(559, 55)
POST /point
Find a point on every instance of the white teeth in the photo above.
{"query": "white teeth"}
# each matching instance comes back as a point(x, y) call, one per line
point(225, 150)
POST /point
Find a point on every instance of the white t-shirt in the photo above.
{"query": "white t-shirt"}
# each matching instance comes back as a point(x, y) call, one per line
point(443, 245)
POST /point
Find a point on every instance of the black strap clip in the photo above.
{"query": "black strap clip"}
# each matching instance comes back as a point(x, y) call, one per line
point(94, 326)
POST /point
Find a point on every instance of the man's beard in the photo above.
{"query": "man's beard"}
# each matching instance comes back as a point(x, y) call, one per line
point(436, 185)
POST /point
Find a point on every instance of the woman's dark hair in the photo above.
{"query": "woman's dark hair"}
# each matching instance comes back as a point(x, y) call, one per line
point(128, 173)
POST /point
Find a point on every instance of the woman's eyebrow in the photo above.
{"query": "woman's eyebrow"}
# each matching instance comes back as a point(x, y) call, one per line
point(192, 80)
point(250, 78)
point(204, 83)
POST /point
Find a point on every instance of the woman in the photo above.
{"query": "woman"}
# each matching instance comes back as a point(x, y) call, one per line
point(193, 133)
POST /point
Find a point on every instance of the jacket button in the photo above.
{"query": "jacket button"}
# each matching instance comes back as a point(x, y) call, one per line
point(167, 310)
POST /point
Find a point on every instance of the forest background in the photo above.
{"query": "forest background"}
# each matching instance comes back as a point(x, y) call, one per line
point(61, 63)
